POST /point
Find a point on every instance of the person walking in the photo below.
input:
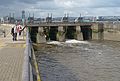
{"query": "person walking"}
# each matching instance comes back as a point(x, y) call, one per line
point(19, 30)
point(14, 33)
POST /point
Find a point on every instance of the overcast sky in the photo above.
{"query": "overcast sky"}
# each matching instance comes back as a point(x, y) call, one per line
point(59, 7)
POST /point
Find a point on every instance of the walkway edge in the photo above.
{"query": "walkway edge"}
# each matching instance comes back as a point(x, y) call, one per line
point(25, 72)
point(36, 66)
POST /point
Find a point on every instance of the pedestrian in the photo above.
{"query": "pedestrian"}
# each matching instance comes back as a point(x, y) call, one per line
point(20, 28)
point(14, 33)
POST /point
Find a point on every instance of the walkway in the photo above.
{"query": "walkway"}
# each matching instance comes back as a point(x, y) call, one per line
point(11, 59)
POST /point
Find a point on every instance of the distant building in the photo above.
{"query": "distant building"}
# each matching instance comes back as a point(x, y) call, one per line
point(48, 18)
point(23, 14)
point(5, 19)
point(89, 19)
point(37, 20)
point(79, 19)
point(18, 20)
point(2, 20)
point(11, 20)
point(108, 18)
point(65, 18)
point(30, 19)
point(23, 17)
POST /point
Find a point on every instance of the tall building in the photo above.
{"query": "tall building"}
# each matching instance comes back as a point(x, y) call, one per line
point(23, 17)
point(23, 14)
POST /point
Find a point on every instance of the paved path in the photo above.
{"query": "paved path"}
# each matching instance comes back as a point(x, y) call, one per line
point(11, 59)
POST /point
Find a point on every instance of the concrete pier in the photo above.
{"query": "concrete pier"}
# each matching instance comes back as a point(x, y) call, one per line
point(11, 58)
point(61, 34)
point(79, 33)
point(81, 30)
point(41, 38)
point(100, 31)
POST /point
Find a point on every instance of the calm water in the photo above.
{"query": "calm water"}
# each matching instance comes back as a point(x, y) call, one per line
point(83, 61)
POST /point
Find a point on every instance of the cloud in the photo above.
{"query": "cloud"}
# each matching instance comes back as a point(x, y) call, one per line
point(59, 7)
point(6, 2)
point(33, 1)
point(88, 3)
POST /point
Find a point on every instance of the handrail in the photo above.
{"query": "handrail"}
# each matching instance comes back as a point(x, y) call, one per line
point(30, 67)
point(36, 67)
point(26, 68)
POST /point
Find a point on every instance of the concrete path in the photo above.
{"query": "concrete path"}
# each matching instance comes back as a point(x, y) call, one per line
point(11, 58)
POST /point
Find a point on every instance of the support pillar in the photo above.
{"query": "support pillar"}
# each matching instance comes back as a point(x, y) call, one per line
point(41, 38)
point(78, 33)
point(100, 31)
point(61, 34)
point(95, 31)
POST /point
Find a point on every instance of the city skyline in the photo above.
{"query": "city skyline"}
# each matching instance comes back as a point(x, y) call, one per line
point(60, 7)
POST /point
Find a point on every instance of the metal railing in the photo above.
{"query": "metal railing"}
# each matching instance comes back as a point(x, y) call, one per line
point(30, 66)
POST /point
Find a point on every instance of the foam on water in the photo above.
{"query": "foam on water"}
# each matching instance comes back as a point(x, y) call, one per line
point(68, 42)
point(76, 41)
point(54, 42)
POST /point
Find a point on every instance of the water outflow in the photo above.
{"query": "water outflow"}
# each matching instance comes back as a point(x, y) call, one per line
point(79, 61)
point(53, 33)
point(87, 32)
point(73, 41)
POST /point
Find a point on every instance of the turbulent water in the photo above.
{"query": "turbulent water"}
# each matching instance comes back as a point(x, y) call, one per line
point(79, 61)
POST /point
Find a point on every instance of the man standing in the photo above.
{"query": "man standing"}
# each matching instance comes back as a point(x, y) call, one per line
point(14, 33)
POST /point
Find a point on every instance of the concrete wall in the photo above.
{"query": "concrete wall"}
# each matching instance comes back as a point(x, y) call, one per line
point(112, 31)
point(95, 31)
point(106, 31)
point(100, 31)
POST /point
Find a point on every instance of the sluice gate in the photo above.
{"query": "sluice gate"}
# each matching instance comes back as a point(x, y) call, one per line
point(40, 33)
point(86, 32)
point(70, 32)
point(54, 33)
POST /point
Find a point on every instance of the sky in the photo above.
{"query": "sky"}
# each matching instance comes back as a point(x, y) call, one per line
point(41, 8)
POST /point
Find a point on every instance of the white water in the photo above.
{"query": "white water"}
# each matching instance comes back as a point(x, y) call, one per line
point(54, 42)
point(76, 41)
point(68, 42)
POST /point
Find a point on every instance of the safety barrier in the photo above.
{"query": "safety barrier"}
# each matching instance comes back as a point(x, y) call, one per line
point(30, 66)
